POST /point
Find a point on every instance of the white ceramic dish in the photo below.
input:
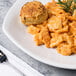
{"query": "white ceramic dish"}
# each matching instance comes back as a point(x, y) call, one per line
point(17, 33)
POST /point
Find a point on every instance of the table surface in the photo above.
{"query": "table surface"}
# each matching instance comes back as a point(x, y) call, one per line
point(46, 70)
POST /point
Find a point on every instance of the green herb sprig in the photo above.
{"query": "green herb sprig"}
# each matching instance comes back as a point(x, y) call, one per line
point(66, 6)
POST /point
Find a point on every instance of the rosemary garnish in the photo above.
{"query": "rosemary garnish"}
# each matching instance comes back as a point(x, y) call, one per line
point(68, 5)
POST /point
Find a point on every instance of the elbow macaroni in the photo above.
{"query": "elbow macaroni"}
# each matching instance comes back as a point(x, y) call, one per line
point(58, 31)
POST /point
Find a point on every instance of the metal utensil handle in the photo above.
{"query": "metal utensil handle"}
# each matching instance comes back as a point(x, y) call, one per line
point(3, 57)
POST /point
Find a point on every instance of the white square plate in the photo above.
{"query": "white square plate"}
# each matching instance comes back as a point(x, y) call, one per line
point(17, 33)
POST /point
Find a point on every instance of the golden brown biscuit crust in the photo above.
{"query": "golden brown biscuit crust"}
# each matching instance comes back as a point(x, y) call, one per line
point(33, 13)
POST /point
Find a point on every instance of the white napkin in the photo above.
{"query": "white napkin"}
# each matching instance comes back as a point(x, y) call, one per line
point(19, 64)
point(7, 70)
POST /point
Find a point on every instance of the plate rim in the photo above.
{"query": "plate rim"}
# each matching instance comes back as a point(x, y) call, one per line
point(65, 66)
